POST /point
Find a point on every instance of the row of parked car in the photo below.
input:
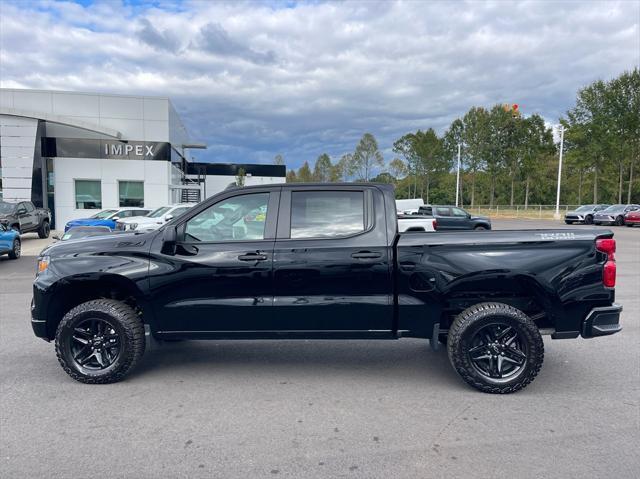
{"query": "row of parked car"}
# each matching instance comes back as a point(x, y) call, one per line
point(617, 215)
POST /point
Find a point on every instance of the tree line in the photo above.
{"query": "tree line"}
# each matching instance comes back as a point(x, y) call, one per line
point(507, 157)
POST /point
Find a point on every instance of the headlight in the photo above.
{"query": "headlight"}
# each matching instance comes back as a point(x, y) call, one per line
point(133, 226)
point(43, 264)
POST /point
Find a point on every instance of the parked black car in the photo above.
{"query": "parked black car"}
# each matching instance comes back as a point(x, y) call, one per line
point(614, 214)
point(24, 217)
point(454, 218)
point(323, 261)
point(583, 214)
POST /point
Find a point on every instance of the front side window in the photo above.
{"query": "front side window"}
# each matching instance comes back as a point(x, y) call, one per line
point(178, 211)
point(326, 214)
point(459, 212)
point(29, 207)
point(240, 218)
point(131, 193)
point(88, 195)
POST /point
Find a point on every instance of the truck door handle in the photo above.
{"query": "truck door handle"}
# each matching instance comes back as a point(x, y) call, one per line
point(252, 257)
point(366, 255)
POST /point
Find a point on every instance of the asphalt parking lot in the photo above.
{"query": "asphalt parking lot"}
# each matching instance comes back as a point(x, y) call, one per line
point(305, 409)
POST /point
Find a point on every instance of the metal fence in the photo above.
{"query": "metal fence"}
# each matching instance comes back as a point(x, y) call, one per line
point(519, 211)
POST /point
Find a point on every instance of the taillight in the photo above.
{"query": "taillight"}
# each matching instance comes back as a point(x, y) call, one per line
point(608, 246)
point(435, 225)
point(609, 274)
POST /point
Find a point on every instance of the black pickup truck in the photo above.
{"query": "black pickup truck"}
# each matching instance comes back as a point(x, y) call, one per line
point(324, 261)
point(24, 217)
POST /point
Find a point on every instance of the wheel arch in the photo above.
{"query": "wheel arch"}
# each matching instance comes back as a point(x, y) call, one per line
point(73, 291)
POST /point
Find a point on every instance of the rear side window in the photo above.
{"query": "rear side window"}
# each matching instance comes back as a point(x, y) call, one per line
point(443, 212)
point(327, 214)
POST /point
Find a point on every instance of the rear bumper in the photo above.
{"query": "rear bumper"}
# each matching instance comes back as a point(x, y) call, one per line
point(602, 321)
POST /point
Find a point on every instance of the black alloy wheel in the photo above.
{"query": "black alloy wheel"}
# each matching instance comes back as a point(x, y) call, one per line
point(495, 348)
point(95, 344)
point(100, 341)
point(16, 250)
point(619, 221)
point(498, 352)
point(588, 220)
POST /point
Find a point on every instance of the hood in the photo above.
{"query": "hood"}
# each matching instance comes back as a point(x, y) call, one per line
point(141, 220)
point(483, 218)
point(97, 244)
point(90, 222)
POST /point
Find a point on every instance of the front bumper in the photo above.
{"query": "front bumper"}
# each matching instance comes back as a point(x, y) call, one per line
point(39, 326)
point(602, 321)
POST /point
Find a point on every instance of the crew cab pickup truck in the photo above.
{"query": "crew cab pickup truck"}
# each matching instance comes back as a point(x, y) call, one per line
point(24, 217)
point(324, 261)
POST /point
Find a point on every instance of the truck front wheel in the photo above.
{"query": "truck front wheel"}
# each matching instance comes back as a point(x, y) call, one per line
point(495, 348)
point(44, 230)
point(100, 341)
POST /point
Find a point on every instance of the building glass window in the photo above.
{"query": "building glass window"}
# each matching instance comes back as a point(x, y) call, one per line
point(88, 195)
point(131, 193)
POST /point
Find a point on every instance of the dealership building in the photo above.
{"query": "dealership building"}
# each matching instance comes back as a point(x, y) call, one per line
point(76, 153)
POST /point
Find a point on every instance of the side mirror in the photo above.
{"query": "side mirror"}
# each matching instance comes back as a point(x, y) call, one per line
point(115, 218)
point(21, 211)
point(169, 240)
point(168, 217)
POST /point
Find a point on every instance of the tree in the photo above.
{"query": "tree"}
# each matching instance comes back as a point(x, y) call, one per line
point(367, 156)
point(240, 177)
point(304, 174)
point(322, 170)
point(291, 176)
point(398, 168)
point(344, 168)
point(278, 160)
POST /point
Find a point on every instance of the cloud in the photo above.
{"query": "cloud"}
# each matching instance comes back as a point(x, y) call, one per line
point(215, 39)
point(164, 40)
point(254, 79)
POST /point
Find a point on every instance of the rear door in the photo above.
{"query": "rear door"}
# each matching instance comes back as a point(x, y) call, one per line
point(332, 266)
point(443, 215)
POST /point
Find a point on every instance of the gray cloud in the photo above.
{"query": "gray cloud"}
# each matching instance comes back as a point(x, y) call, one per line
point(215, 39)
point(153, 37)
point(253, 80)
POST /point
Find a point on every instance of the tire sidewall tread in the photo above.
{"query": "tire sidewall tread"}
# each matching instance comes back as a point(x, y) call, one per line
point(482, 312)
point(132, 335)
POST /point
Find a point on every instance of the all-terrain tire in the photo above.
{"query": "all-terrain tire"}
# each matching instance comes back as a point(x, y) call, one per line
point(16, 249)
point(44, 230)
point(473, 319)
point(126, 323)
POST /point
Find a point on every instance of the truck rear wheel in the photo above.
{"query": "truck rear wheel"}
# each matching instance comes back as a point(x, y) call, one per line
point(495, 348)
point(44, 230)
point(100, 341)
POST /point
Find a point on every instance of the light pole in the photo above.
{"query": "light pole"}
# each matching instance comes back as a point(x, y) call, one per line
point(557, 213)
point(458, 176)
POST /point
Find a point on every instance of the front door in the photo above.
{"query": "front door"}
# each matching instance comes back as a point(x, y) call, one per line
point(220, 277)
point(331, 263)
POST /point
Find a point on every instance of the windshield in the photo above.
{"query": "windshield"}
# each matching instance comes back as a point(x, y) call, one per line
point(614, 208)
point(585, 208)
point(159, 212)
point(104, 214)
point(6, 207)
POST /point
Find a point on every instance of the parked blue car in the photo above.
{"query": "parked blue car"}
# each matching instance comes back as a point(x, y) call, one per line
point(9, 242)
point(107, 217)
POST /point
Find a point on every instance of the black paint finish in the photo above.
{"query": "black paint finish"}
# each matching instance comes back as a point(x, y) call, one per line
point(374, 284)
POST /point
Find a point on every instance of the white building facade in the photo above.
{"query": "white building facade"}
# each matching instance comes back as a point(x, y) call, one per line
point(78, 153)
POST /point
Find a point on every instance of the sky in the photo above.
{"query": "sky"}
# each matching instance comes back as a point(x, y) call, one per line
point(253, 80)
